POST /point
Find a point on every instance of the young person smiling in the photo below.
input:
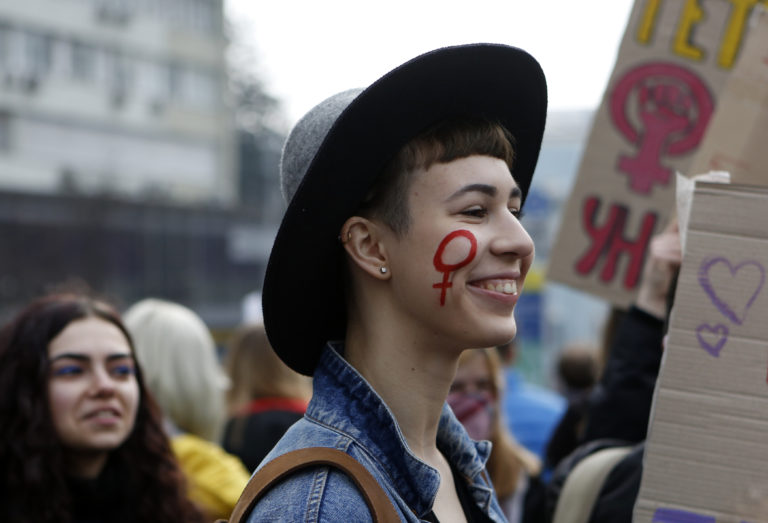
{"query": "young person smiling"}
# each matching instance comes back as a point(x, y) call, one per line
point(80, 438)
point(403, 236)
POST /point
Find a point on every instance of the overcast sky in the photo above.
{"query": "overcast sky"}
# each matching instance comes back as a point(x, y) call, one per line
point(309, 49)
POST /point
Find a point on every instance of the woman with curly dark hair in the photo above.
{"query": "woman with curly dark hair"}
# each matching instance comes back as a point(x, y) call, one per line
point(81, 440)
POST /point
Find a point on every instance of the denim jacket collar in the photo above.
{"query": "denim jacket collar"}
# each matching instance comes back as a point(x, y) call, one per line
point(350, 405)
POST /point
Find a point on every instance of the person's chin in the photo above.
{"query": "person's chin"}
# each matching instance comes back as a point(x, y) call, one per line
point(496, 331)
point(504, 336)
point(106, 442)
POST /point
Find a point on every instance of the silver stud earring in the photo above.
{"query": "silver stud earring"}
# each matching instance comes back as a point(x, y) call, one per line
point(383, 270)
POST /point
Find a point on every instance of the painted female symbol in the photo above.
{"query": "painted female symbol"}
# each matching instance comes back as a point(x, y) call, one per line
point(447, 268)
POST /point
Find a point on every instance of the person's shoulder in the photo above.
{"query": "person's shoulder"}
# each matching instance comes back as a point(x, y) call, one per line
point(317, 494)
point(307, 433)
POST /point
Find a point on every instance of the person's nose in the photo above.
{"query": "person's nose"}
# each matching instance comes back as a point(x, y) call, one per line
point(512, 238)
point(102, 383)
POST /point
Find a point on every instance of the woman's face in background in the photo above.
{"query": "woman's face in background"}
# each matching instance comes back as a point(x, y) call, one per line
point(92, 388)
point(473, 396)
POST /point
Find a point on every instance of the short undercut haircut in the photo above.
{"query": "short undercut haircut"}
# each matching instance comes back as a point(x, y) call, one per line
point(449, 140)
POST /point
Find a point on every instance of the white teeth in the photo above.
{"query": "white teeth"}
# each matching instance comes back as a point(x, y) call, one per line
point(506, 287)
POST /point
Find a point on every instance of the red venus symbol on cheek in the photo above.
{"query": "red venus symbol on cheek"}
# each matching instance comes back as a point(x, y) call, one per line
point(445, 268)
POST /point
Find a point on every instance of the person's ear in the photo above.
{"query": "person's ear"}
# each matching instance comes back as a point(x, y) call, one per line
point(362, 239)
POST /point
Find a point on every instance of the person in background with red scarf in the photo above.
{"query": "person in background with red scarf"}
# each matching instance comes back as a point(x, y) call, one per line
point(266, 396)
point(475, 398)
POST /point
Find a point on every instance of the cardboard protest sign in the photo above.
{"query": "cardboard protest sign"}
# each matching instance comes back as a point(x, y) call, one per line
point(735, 137)
point(673, 61)
point(706, 454)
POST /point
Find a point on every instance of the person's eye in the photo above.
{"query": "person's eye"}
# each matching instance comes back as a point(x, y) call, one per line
point(123, 370)
point(484, 385)
point(476, 212)
point(517, 212)
point(68, 370)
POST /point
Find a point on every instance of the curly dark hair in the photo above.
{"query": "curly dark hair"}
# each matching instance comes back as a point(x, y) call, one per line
point(33, 480)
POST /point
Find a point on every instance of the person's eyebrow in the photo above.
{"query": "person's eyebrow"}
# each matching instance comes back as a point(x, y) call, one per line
point(515, 193)
point(483, 188)
point(83, 357)
point(125, 356)
point(71, 356)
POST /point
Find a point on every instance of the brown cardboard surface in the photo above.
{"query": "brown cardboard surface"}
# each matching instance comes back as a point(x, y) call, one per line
point(706, 455)
point(674, 59)
point(735, 137)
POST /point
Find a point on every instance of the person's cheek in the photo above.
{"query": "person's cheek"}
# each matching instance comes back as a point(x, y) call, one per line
point(456, 250)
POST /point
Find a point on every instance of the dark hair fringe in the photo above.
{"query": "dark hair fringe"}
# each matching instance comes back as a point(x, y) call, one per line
point(448, 140)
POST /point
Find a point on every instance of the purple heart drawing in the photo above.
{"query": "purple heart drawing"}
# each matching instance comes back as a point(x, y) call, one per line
point(712, 339)
point(747, 270)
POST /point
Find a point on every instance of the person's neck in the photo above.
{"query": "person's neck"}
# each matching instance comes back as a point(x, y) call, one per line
point(86, 465)
point(412, 381)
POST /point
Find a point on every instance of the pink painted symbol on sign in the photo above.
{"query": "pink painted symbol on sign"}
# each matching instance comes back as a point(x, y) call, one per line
point(447, 268)
point(610, 242)
point(664, 110)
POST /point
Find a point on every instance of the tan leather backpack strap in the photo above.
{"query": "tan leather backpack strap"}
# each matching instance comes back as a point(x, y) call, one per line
point(381, 508)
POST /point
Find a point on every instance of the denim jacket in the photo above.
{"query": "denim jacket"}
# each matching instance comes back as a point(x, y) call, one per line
point(347, 414)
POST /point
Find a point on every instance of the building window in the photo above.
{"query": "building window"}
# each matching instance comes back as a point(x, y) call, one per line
point(119, 78)
point(5, 132)
point(38, 53)
point(116, 12)
point(175, 81)
point(5, 40)
point(83, 61)
point(201, 88)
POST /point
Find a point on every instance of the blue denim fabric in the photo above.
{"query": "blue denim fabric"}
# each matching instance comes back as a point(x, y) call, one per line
point(347, 414)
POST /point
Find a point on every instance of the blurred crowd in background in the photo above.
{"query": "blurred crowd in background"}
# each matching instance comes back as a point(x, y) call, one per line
point(139, 156)
point(139, 192)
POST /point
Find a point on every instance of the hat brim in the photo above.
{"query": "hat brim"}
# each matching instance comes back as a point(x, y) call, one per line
point(303, 294)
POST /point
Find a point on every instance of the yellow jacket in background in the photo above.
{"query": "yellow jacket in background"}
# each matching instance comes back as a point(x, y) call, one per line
point(215, 478)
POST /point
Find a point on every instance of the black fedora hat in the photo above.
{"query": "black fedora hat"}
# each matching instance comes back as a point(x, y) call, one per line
point(334, 154)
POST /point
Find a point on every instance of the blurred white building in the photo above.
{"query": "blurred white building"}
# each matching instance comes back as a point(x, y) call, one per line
point(123, 98)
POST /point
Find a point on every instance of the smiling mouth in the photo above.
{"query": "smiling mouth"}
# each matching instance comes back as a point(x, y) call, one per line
point(503, 286)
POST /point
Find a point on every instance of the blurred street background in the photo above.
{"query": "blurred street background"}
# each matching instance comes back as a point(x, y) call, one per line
point(139, 148)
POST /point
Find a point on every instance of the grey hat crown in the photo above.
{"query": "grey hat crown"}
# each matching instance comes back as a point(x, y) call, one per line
point(307, 136)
